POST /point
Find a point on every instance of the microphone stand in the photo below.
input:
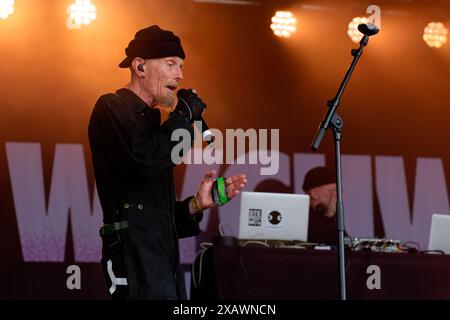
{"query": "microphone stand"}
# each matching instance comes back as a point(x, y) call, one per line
point(335, 121)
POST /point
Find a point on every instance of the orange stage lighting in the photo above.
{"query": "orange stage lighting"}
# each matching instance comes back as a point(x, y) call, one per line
point(82, 12)
point(284, 24)
point(353, 31)
point(6, 8)
point(435, 34)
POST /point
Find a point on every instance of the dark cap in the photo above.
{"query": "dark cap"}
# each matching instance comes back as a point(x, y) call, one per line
point(152, 43)
point(317, 177)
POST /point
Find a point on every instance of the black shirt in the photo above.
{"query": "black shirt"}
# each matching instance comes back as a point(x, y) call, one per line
point(321, 229)
point(131, 155)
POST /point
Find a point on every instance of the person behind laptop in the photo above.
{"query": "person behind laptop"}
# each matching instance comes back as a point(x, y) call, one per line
point(320, 185)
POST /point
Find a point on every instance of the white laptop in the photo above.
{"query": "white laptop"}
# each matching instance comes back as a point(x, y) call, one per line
point(274, 216)
point(440, 233)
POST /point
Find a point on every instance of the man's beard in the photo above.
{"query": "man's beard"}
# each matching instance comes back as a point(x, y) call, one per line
point(166, 102)
point(321, 208)
point(325, 210)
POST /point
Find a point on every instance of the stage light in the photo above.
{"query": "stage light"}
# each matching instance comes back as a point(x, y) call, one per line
point(82, 12)
point(353, 31)
point(6, 8)
point(435, 34)
point(283, 24)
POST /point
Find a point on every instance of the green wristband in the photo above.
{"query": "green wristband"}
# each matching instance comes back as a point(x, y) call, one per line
point(222, 190)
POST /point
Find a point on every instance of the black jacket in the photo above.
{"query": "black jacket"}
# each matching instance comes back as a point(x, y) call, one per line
point(322, 229)
point(131, 155)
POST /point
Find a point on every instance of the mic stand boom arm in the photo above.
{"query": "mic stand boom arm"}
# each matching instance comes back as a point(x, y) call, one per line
point(335, 121)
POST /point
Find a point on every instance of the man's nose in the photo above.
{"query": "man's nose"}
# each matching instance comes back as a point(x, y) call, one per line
point(179, 74)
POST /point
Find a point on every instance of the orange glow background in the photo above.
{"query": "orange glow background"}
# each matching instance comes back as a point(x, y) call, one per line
point(397, 101)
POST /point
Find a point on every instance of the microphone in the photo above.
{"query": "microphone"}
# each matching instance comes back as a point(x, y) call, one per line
point(201, 125)
point(368, 29)
point(207, 134)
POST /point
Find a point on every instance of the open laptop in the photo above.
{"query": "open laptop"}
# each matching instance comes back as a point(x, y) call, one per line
point(274, 216)
point(440, 233)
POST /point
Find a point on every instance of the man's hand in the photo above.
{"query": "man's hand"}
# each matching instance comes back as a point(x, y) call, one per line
point(331, 211)
point(234, 186)
point(189, 105)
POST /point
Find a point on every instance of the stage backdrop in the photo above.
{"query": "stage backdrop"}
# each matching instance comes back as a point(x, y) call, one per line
point(396, 159)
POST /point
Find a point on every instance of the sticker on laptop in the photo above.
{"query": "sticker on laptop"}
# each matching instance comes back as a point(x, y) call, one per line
point(254, 217)
point(274, 219)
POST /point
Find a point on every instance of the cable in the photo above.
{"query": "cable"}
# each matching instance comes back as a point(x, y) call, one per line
point(432, 251)
point(293, 246)
point(406, 247)
point(264, 243)
point(204, 247)
point(406, 244)
point(221, 232)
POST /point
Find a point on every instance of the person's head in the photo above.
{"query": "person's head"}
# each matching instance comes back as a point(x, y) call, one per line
point(155, 58)
point(320, 185)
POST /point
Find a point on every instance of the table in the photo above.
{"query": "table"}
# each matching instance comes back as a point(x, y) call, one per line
point(260, 273)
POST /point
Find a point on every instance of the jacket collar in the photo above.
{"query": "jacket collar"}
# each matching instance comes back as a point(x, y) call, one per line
point(152, 114)
point(133, 98)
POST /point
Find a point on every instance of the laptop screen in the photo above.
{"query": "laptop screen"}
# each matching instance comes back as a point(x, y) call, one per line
point(440, 233)
point(274, 216)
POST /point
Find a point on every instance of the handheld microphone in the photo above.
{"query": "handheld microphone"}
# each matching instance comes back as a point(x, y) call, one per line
point(368, 29)
point(207, 134)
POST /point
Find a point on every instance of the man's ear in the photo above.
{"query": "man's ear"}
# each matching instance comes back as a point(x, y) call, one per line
point(138, 66)
point(313, 193)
